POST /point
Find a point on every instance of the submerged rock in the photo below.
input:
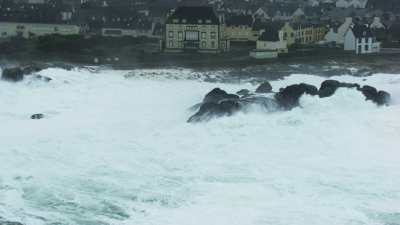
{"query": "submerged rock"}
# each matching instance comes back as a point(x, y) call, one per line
point(12, 74)
point(243, 92)
point(211, 109)
point(37, 116)
point(264, 88)
point(42, 78)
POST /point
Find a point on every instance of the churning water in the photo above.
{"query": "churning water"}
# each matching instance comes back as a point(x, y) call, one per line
point(115, 149)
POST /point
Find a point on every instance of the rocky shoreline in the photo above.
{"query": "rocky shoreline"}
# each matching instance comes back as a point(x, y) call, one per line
point(219, 103)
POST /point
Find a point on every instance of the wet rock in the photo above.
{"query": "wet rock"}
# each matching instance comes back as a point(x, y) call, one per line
point(378, 97)
point(243, 92)
point(217, 95)
point(329, 87)
point(37, 116)
point(288, 97)
point(383, 98)
point(12, 74)
point(30, 69)
point(42, 78)
point(210, 110)
point(264, 88)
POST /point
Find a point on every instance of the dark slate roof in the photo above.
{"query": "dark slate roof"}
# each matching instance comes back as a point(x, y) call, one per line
point(361, 31)
point(193, 14)
point(240, 20)
point(269, 35)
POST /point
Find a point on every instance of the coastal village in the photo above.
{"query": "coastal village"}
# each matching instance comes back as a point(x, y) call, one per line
point(263, 28)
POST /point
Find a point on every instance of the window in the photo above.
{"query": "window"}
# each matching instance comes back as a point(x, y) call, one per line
point(175, 21)
point(184, 21)
point(285, 36)
point(213, 35)
point(212, 44)
point(171, 34)
point(4, 34)
point(203, 35)
point(199, 21)
point(192, 35)
point(366, 48)
point(171, 44)
point(208, 21)
point(112, 32)
point(292, 34)
point(203, 44)
point(180, 35)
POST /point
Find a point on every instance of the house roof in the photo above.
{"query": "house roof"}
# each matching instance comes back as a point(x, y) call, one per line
point(361, 31)
point(192, 15)
point(240, 20)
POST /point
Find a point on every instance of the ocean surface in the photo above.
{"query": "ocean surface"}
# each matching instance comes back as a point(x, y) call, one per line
point(114, 148)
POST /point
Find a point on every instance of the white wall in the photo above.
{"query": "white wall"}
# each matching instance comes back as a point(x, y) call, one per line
point(11, 29)
point(349, 41)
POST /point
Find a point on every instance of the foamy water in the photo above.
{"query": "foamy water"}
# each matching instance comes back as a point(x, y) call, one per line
point(113, 150)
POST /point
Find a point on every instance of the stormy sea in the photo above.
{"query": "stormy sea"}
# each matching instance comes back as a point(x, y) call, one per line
point(114, 148)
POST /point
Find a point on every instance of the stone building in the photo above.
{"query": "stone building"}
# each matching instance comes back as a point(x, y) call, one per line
point(194, 29)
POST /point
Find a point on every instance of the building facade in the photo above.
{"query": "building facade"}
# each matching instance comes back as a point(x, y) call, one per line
point(31, 30)
point(361, 40)
point(194, 29)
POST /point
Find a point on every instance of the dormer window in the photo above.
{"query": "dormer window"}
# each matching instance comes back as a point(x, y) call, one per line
point(184, 21)
point(175, 21)
point(208, 21)
point(199, 21)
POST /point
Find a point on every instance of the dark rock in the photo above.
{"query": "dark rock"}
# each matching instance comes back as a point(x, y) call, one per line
point(217, 95)
point(209, 110)
point(378, 97)
point(369, 92)
point(37, 116)
point(383, 98)
point(288, 97)
point(12, 74)
point(264, 88)
point(243, 92)
point(329, 87)
point(30, 69)
point(43, 78)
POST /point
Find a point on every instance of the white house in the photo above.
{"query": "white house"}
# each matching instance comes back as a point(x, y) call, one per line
point(360, 39)
point(270, 45)
point(331, 36)
point(30, 30)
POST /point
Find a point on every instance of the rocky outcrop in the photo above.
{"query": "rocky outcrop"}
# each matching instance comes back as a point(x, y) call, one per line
point(16, 74)
point(12, 74)
point(289, 96)
point(217, 95)
point(37, 116)
point(264, 88)
point(219, 103)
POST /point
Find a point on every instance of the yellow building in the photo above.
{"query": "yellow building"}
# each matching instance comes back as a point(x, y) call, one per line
point(303, 33)
point(30, 30)
point(240, 28)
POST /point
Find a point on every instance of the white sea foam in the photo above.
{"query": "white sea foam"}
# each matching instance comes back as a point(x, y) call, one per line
point(113, 150)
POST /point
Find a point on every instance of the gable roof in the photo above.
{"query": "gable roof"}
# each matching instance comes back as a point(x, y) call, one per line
point(240, 20)
point(361, 31)
point(192, 15)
